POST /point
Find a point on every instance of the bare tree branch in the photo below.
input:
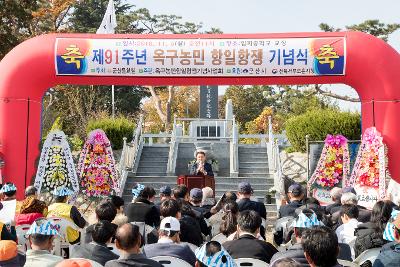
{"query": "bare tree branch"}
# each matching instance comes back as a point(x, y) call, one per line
point(157, 104)
point(319, 90)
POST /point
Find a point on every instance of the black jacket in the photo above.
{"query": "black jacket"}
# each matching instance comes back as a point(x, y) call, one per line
point(367, 236)
point(190, 230)
point(247, 204)
point(289, 209)
point(247, 246)
point(133, 260)
point(207, 168)
point(93, 251)
point(143, 210)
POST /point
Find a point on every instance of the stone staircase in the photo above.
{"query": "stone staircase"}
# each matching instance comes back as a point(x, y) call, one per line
point(253, 168)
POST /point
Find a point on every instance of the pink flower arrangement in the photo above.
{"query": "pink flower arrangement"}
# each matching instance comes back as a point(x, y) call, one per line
point(333, 165)
point(96, 167)
point(370, 167)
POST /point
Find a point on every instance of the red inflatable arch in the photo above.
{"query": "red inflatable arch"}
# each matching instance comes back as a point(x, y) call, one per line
point(28, 71)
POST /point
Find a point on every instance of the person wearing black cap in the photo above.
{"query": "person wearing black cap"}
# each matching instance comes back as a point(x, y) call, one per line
point(196, 196)
point(245, 203)
point(165, 194)
point(296, 195)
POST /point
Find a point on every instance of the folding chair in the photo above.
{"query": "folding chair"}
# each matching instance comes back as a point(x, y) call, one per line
point(23, 242)
point(368, 255)
point(62, 225)
point(347, 263)
point(249, 262)
point(221, 238)
point(171, 261)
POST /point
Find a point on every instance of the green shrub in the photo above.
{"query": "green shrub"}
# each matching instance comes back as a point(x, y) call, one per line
point(115, 129)
point(75, 142)
point(318, 123)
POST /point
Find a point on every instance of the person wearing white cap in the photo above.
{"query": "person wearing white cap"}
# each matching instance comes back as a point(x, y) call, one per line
point(62, 209)
point(169, 242)
point(41, 235)
point(212, 254)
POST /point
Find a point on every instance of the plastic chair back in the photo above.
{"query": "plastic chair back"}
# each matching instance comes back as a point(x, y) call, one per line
point(249, 262)
point(221, 238)
point(171, 261)
point(368, 255)
point(23, 241)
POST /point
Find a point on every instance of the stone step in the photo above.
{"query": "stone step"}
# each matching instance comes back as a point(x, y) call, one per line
point(152, 163)
point(161, 169)
point(254, 174)
point(253, 164)
point(252, 157)
point(150, 173)
point(263, 170)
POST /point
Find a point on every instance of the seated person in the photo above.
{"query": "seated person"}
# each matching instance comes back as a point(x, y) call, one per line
point(30, 208)
point(9, 191)
point(79, 262)
point(181, 192)
point(335, 194)
point(201, 167)
point(60, 208)
point(286, 262)
point(349, 215)
point(364, 215)
point(248, 245)
point(128, 241)
point(213, 254)
point(105, 211)
point(320, 247)
point(208, 201)
point(97, 250)
point(9, 254)
point(7, 232)
point(216, 219)
point(165, 194)
point(306, 219)
point(196, 196)
point(228, 224)
point(389, 255)
point(119, 203)
point(187, 211)
point(190, 228)
point(142, 208)
point(169, 243)
point(296, 195)
point(245, 203)
point(41, 236)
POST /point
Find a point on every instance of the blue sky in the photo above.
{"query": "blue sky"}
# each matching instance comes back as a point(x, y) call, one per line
point(256, 16)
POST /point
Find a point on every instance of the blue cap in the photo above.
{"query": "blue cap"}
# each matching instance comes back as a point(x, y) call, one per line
point(165, 190)
point(245, 187)
point(296, 189)
point(137, 189)
point(8, 187)
point(303, 221)
point(219, 259)
point(43, 227)
point(196, 193)
point(62, 192)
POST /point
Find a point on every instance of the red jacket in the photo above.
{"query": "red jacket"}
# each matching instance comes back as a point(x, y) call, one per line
point(28, 218)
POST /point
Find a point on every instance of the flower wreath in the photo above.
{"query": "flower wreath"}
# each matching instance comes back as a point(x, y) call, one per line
point(96, 167)
point(56, 166)
point(370, 166)
point(334, 164)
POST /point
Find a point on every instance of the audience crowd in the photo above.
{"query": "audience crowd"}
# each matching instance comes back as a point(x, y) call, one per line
point(192, 226)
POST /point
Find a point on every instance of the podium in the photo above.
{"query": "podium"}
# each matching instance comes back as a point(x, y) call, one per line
point(196, 181)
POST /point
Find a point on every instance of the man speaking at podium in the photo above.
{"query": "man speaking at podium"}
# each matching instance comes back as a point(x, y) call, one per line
point(201, 167)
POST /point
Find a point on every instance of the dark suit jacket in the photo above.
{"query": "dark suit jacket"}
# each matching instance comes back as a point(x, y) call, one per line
point(143, 211)
point(247, 246)
point(207, 168)
point(180, 251)
point(289, 209)
point(247, 204)
point(93, 251)
point(135, 260)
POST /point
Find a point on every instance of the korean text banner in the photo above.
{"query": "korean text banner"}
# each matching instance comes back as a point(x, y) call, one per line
point(201, 57)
